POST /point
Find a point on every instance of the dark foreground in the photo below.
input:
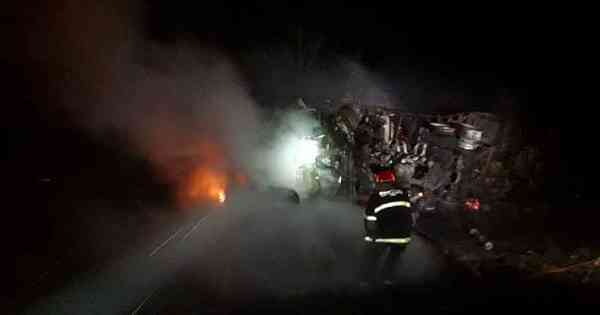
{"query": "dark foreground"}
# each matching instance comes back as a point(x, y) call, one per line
point(260, 256)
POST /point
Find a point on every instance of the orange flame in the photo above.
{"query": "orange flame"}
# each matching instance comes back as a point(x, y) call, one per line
point(205, 184)
point(222, 196)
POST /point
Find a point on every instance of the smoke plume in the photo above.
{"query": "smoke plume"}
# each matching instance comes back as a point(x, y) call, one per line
point(182, 105)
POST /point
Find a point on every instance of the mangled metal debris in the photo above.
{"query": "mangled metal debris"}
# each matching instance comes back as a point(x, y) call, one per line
point(442, 159)
point(448, 156)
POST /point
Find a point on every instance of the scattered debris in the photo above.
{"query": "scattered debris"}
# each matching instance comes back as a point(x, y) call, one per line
point(469, 169)
point(591, 264)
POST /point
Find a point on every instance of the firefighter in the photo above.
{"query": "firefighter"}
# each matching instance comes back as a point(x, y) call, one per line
point(388, 225)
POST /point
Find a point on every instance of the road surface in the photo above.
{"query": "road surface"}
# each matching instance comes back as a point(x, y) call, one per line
point(258, 254)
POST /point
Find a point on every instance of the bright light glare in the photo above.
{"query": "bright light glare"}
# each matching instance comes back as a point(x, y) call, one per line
point(307, 151)
point(289, 156)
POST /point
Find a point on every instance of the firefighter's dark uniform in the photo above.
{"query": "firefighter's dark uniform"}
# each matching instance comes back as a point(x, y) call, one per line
point(388, 226)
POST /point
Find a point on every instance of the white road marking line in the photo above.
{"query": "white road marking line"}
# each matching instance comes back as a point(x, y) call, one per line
point(142, 304)
point(166, 242)
point(194, 228)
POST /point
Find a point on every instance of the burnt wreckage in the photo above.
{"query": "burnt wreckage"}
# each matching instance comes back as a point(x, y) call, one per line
point(439, 158)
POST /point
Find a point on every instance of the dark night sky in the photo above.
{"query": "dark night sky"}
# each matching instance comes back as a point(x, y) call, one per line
point(462, 46)
point(484, 51)
point(531, 56)
point(481, 51)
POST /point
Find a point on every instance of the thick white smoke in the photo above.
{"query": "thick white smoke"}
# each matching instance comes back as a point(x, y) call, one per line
point(184, 100)
point(173, 102)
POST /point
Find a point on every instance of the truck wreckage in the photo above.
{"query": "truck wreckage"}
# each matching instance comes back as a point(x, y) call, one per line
point(442, 158)
point(456, 167)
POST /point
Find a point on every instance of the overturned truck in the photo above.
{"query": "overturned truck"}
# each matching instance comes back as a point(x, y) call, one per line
point(440, 158)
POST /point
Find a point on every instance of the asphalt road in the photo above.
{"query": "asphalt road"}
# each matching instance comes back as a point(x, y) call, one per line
point(260, 255)
point(252, 249)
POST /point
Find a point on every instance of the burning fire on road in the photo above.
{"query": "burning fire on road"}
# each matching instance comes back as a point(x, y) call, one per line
point(200, 175)
point(204, 184)
point(222, 197)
